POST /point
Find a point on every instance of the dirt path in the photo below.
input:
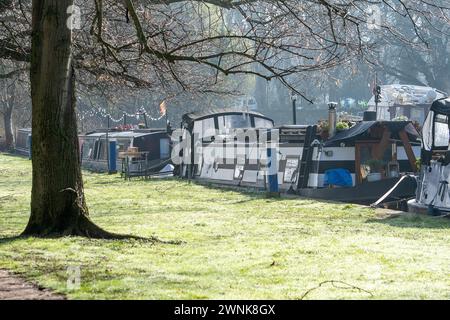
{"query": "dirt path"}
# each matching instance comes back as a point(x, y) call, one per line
point(15, 288)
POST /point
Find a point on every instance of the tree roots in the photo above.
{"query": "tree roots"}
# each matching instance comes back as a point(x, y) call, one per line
point(84, 227)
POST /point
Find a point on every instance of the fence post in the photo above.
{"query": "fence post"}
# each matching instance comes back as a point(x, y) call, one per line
point(112, 156)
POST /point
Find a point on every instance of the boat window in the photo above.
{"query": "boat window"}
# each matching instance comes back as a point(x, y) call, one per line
point(87, 149)
point(184, 134)
point(290, 170)
point(221, 124)
point(383, 113)
point(102, 150)
point(197, 131)
point(262, 123)
point(164, 148)
point(238, 171)
point(123, 144)
point(208, 129)
point(427, 135)
point(234, 121)
point(417, 115)
point(406, 112)
point(96, 150)
point(441, 132)
point(204, 128)
point(393, 112)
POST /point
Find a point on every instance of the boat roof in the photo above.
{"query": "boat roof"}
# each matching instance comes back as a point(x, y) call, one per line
point(293, 126)
point(362, 128)
point(441, 106)
point(121, 134)
point(195, 116)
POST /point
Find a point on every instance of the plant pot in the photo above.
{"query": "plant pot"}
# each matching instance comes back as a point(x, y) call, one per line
point(324, 135)
point(376, 176)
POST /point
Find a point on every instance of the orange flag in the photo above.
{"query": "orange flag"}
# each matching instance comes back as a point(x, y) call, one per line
point(162, 108)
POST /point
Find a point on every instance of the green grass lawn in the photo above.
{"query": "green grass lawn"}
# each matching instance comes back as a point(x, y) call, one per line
point(234, 245)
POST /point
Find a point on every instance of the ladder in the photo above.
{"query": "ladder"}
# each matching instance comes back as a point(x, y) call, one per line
point(305, 162)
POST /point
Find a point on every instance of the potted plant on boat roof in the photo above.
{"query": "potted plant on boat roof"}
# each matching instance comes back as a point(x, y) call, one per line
point(375, 166)
point(341, 126)
point(400, 118)
point(323, 129)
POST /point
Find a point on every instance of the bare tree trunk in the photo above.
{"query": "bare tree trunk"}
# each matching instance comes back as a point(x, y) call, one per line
point(261, 94)
point(9, 133)
point(58, 204)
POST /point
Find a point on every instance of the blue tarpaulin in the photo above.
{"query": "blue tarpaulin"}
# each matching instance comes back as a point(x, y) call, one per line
point(338, 177)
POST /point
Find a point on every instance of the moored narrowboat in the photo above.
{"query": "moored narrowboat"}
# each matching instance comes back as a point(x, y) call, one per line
point(433, 196)
point(152, 150)
point(358, 164)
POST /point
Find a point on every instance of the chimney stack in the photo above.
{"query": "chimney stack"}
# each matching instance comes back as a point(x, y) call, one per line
point(332, 118)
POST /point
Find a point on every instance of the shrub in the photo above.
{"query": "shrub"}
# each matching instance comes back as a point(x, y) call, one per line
point(342, 126)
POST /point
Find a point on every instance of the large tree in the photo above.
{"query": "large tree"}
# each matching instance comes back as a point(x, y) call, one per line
point(147, 42)
point(57, 200)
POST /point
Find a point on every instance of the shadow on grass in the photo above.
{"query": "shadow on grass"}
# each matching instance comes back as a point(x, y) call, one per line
point(413, 220)
point(13, 154)
point(253, 193)
point(10, 239)
point(119, 237)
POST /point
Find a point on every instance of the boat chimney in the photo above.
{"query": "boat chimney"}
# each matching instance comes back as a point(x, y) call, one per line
point(332, 117)
point(370, 116)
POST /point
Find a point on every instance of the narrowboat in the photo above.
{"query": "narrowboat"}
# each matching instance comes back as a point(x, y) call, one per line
point(153, 150)
point(433, 195)
point(204, 128)
point(356, 165)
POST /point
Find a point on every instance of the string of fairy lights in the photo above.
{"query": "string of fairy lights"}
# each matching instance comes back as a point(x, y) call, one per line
point(125, 115)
